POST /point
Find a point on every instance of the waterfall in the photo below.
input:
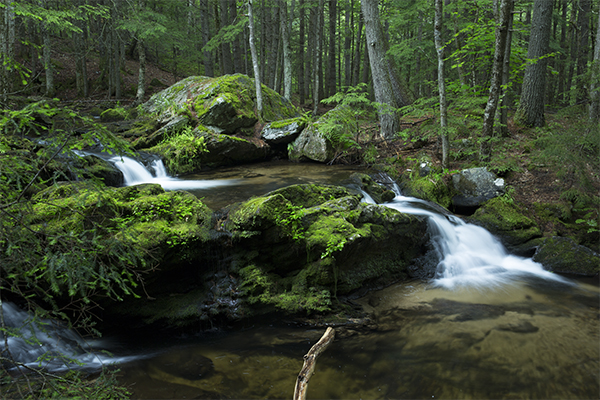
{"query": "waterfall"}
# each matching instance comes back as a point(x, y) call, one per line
point(470, 256)
point(136, 173)
point(44, 343)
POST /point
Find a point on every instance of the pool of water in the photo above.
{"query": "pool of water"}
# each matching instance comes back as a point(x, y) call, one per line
point(528, 340)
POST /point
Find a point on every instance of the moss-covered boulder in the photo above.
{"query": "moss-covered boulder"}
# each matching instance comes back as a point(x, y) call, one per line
point(432, 187)
point(379, 193)
point(300, 246)
point(505, 219)
point(282, 132)
point(564, 255)
point(475, 186)
point(92, 166)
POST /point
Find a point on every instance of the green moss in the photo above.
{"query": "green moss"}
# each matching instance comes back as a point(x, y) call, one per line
point(508, 220)
point(432, 188)
point(182, 151)
point(286, 122)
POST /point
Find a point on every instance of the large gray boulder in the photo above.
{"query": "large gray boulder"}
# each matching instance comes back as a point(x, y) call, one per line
point(475, 187)
point(311, 145)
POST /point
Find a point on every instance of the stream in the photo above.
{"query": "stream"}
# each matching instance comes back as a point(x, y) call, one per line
point(489, 325)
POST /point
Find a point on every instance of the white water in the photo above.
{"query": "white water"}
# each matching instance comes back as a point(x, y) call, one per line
point(136, 173)
point(469, 255)
point(49, 345)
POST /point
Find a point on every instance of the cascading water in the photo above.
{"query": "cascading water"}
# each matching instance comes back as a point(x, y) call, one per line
point(44, 343)
point(135, 173)
point(469, 255)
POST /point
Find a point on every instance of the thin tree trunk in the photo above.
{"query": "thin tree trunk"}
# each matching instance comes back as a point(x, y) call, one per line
point(49, 69)
point(6, 52)
point(531, 107)
point(594, 111)
point(236, 48)
point(348, 22)
point(225, 48)
point(357, 46)
point(439, 47)
point(204, 22)
point(301, 39)
point(561, 96)
point(287, 62)
point(583, 24)
point(317, 59)
point(506, 91)
point(489, 114)
point(330, 78)
point(141, 89)
point(255, 65)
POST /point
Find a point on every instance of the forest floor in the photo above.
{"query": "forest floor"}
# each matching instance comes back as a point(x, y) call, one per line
point(531, 185)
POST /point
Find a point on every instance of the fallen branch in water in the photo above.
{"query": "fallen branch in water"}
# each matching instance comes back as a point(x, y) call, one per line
point(310, 359)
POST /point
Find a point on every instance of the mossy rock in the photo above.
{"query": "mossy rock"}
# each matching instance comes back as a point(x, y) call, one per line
point(300, 246)
point(506, 220)
point(564, 255)
point(433, 187)
point(227, 102)
point(92, 166)
point(378, 192)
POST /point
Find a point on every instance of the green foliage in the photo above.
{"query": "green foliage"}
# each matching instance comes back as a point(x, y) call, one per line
point(182, 151)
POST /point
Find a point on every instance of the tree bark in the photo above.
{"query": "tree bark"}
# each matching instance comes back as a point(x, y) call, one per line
point(380, 70)
point(330, 79)
point(255, 65)
point(489, 114)
point(594, 112)
point(205, 26)
point(225, 48)
point(348, 22)
point(531, 108)
point(141, 89)
point(439, 47)
point(583, 25)
point(302, 90)
point(506, 91)
point(287, 62)
point(317, 58)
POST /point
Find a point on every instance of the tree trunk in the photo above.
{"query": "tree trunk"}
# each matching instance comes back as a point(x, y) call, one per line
point(595, 80)
point(348, 22)
point(317, 58)
point(255, 65)
point(205, 26)
point(583, 25)
point(236, 48)
point(287, 62)
point(6, 52)
point(141, 89)
point(561, 96)
point(357, 47)
point(439, 47)
point(330, 79)
point(531, 107)
point(506, 91)
point(380, 70)
point(301, 73)
point(225, 48)
point(489, 114)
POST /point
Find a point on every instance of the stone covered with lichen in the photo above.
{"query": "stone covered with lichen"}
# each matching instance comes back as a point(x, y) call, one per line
point(299, 247)
point(564, 255)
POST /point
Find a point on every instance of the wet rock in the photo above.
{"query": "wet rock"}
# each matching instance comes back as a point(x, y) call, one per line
point(379, 193)
point(311, 145)
point(564, 255)
point(475, 186)
point(282, 132)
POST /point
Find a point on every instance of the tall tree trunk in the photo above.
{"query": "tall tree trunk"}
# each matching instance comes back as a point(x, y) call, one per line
point(255, 65)
point(583, 25)
point(573, 51)
point(348, 23)
point(236, 48)
point(6, 51)
point(302, 91)
point(317, 59)
point(330, 77)
point(439, 47)
point(380, 71)
point(594, 111)
point(225, 48)
point(506, 92)
point(287, 62)
point(357, 46)
point(48, 68)
point(141, 89)
point(273, 53)
point(506, 7)
point(561, 96)
point(531, 107)
point(204, 22)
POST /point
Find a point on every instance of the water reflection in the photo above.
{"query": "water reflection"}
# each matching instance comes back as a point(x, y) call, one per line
point(524, 341)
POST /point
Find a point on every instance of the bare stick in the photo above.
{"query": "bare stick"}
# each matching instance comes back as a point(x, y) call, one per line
point(310, 360)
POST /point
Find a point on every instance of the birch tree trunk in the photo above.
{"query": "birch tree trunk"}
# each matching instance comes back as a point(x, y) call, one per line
point(531, 107)
point(489, 114)
point(141, 89)
point(382, 83)
point(439, 47)
point(255, 65)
